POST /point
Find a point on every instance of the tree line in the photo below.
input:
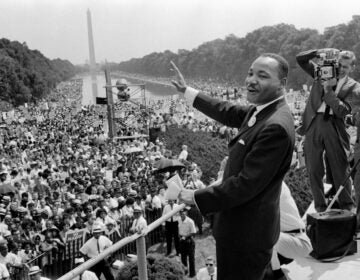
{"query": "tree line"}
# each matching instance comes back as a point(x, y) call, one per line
point(27, 75)
point(228, 59)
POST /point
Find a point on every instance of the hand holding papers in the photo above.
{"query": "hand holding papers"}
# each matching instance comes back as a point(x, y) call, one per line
point(176, 191)
point(174, 187)
point(187, 196)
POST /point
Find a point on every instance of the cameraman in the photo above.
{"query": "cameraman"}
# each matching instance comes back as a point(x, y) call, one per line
point(323, 122)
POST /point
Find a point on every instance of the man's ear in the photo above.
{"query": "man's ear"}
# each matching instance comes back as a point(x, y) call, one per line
point(283, 83)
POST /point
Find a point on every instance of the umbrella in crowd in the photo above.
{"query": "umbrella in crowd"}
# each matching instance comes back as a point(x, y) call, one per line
point(167, 165)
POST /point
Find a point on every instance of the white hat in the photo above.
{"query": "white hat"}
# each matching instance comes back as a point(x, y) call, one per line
point(137, 209)
point(34, 269)
point(132, 193)
point(113, 204)
point(77, 201)
point(79, 260)
point(131, 258)
point(97, 228)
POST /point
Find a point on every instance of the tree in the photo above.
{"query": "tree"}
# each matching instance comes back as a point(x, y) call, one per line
point(26, 74)
point(229, 59)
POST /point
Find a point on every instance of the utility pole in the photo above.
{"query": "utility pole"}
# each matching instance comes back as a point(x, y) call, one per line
point(110, 102)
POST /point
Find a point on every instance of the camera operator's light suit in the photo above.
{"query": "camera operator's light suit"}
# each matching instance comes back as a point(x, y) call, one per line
point(327, 135)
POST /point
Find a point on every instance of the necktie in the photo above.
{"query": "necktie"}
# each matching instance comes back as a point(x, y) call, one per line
point(248, 116)
point(98, 245)
point(327, 113)
point(327, 108)
point(211, 277)
point(172, 220)
point(252, 119)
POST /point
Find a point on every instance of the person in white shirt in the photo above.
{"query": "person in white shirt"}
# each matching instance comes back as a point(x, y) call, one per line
point(7, 258)
point(209, 271)
point(184, 153)
point(3, 226)
point(293, 242)
point(187, 244)
point(139, 223)
point(93, 247)
point(4, 273)
point(153, 200)
point(171, 228)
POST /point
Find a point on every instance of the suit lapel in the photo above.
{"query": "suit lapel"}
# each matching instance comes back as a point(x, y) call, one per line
point(259, 117)
point(244, 125)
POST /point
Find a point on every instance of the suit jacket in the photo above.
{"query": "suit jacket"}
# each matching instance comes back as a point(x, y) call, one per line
point(347, 100)
point(246, 204)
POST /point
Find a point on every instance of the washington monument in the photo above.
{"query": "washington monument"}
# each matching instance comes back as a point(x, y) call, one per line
point(92, 58)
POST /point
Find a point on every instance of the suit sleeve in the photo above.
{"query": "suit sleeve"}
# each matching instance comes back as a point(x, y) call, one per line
point(222, 111)
point(262, 164)
point(303, 59)
point(355, 105)
point(339, 107)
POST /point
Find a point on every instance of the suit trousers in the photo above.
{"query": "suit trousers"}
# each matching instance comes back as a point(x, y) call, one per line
point(103, 267)
point(241, 265)
point(357, 178)
point(187, 250)
point(321, 138)
point(172, 232)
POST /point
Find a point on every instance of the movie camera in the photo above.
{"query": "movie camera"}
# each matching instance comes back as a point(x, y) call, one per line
point(327, 66)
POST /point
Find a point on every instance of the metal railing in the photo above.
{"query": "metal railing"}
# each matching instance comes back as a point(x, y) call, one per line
point(140, 249)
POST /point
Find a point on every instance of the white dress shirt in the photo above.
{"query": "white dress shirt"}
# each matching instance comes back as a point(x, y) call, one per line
point(139, 224)
point(186, 227)
point(203, 274)
point(4, 273)
point(91, 248)
point(183, 155)
point(289, 215)
point(167, 209)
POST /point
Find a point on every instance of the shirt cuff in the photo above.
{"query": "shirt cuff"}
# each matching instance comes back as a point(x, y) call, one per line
point(190, 94)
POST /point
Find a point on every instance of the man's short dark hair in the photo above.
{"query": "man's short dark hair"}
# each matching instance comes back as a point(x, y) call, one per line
point(283, 64)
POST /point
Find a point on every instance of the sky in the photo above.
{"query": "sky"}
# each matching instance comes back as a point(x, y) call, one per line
point(124, 29)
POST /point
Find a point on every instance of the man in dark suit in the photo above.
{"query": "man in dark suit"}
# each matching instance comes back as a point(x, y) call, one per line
point(323, 124)
point(246, 203)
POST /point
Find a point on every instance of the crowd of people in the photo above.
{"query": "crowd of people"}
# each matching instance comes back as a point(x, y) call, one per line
point(59, 172)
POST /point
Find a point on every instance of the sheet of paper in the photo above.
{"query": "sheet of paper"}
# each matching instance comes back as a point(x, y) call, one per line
point(175, 185)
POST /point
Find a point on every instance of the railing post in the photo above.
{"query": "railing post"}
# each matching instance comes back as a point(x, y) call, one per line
point(141, 258)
